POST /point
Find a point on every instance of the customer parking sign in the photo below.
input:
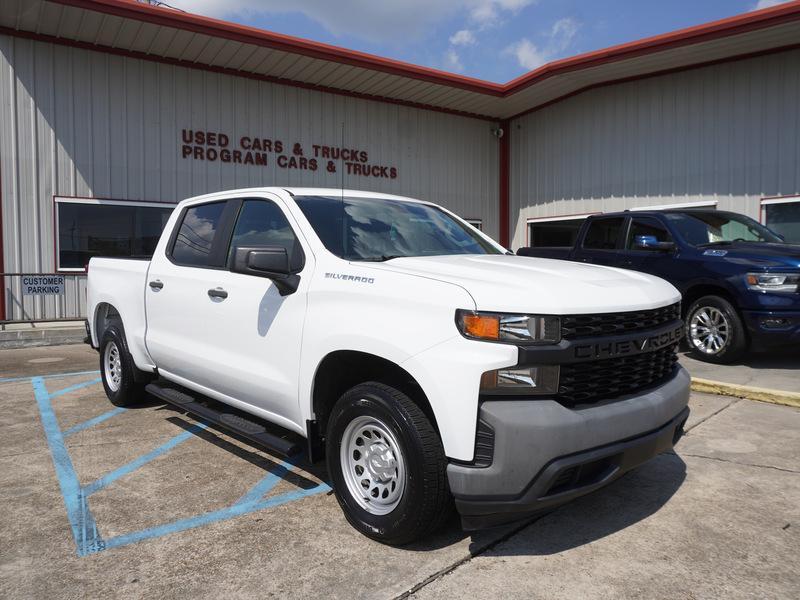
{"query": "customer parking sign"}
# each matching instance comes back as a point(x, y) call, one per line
point(43, 285)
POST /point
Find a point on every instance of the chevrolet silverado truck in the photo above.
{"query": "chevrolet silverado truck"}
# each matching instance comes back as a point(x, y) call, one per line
point(740, 281)
point(427, 365)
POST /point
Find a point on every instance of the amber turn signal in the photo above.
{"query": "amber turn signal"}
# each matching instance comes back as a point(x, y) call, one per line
point(481, 326)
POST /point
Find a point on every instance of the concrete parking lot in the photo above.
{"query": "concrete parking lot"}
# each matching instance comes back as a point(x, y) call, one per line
point(147, 502)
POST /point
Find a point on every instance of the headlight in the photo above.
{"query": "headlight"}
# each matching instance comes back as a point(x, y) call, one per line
point(520, 329)
point(537, 380)
point(772, 282)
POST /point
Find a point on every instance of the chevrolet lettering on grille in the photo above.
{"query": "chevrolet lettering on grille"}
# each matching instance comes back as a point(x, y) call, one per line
point(614, 348)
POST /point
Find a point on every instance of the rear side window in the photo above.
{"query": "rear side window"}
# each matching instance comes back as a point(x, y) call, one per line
point(262, 223)
point(603, 234)
point(195, 239)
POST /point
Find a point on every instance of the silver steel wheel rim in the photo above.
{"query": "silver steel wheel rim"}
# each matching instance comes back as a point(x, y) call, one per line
point(112, 366)
point(709, 330)
point(372, 465)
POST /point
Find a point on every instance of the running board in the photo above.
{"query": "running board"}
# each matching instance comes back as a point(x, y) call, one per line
point(250, 430)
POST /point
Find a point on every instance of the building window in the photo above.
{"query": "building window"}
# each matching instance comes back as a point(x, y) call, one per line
point(782, 215)
point(87, 228)
point(558, 232)
point(476, 223)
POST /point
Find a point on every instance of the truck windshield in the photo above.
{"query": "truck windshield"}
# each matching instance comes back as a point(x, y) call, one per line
point(707, 228)
point(377, 229)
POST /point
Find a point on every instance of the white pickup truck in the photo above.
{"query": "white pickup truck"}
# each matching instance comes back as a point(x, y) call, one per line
point(427, 365)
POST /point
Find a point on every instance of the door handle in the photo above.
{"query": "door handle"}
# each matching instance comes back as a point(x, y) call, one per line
point(217, 293)
point(156, 285)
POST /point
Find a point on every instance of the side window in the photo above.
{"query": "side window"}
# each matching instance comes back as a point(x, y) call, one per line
point(195, 239)
point(262, 223)
point(645, 226)
point(603, 234)
point(562, 233)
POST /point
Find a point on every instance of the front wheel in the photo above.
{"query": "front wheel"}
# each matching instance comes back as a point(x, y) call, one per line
point(714, 331)
point(387, 465)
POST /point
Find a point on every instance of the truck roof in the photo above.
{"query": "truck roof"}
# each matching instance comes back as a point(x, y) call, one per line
point(306, 191)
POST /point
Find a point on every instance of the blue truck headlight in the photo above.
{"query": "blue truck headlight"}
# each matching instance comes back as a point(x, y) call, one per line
point(536, 380)
point(772, 282)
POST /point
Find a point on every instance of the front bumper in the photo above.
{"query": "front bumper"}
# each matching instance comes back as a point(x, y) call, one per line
point(772, 328)
point(546, 454)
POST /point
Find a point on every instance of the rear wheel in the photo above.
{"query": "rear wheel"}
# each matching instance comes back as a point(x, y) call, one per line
point(117, 368)
point(387, 465)
point(714, 331)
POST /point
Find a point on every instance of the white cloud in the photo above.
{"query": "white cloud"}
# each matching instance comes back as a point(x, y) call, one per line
point(767, 4)
point(527, 54)
point(487, 13)
point(452, 61)
point(563, 33)
point(381, 20)
point(462, 38)
point(530, 56)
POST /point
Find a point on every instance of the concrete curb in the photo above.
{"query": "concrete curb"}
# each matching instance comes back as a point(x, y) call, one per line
point(747, 392)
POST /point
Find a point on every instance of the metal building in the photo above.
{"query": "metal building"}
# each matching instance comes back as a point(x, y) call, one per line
point(111, 110)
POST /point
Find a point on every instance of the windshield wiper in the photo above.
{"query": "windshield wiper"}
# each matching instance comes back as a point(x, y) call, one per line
point(381, 258)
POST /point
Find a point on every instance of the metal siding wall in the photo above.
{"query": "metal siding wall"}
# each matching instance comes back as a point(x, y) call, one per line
point(729, 132)
point(79, 123)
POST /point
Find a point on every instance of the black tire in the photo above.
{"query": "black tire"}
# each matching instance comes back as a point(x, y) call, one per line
point(735, 343)
point(425, 503)
point(126, 391)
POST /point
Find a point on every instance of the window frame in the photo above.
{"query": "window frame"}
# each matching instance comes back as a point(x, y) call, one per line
point(770, 200)
point(226, 223)
point(90, 200)
point(240, 205)
point(621, 239)
point(533, 220)
point(629, 229)
point(476, 223)
point(699, 204)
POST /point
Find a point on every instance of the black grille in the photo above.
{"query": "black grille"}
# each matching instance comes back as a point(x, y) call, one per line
point(577, 326)
point(591, 381)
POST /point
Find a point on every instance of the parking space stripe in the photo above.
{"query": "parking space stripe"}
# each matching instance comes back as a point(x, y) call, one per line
point(84, 529)
point(73, 388)
point(266, 484)
point(212, 517)
point(92, 422)
point(105, 480)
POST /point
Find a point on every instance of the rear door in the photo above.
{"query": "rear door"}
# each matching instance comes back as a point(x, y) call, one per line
point(602, 241)
point(183, 324)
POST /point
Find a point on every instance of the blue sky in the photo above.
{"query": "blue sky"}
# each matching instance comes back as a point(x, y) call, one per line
point(495, 40)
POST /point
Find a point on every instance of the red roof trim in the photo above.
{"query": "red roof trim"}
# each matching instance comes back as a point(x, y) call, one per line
point(700, 33)
point(233, 72)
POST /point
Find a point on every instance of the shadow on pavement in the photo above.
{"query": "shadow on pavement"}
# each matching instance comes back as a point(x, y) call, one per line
point(632, 498)
point(785, 358)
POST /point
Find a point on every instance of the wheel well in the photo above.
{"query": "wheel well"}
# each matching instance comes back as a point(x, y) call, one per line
point(341, 370)
point(104, 315)
point(698, 291)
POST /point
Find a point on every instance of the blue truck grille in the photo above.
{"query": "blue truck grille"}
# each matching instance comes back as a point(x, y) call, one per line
point(578, 326)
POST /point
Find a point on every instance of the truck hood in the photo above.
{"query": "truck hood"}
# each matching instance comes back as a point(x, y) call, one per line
point(518, 284)
point(763, 255)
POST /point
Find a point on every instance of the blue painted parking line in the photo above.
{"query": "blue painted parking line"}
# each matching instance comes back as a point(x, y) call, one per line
point(92, 422)
point(81, 521)
point(73, 388)
point(129, 468)
point(85, 531)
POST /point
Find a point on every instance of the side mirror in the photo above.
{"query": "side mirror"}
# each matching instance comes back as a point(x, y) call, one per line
point(650, 242)
point(271, 262)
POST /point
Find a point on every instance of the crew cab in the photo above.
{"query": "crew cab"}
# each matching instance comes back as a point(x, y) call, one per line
point(740, 281)
point(423, 361)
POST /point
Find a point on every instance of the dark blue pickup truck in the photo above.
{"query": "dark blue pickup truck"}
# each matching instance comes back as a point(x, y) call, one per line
point(740, 281)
